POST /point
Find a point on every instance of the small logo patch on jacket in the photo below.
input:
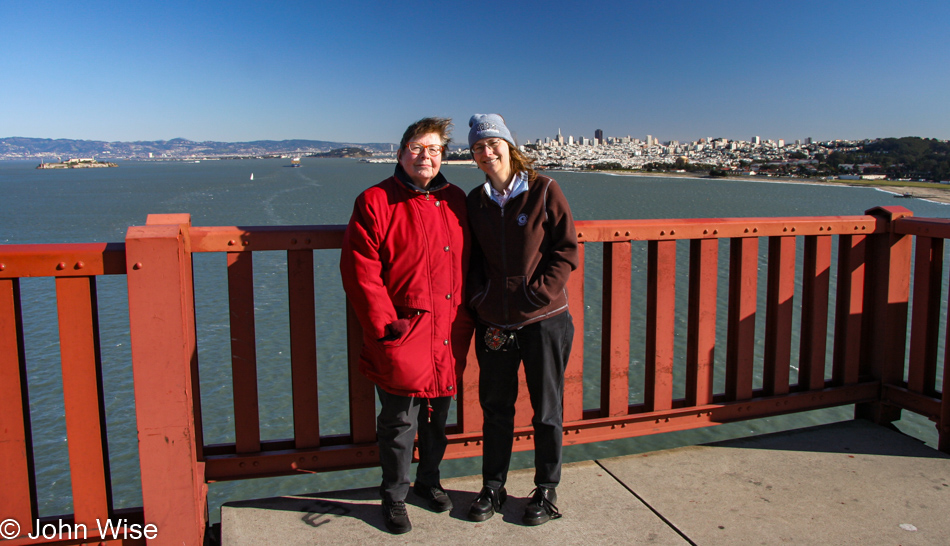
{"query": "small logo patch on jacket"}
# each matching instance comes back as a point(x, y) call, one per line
point(522, 219)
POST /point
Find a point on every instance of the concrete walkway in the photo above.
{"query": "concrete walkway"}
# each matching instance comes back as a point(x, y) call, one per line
point(844, 483)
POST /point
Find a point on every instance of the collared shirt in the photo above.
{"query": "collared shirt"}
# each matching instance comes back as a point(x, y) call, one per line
point(517, 186)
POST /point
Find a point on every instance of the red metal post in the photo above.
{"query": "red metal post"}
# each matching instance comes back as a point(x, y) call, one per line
point(780, 294)
point(303, 347)
point(18, 494)
point(886, 302)
point(362, 390)
point(615, 345)
point(816, 271)
point(740, 344)
point(164, 364)
point(83, 399)
point(701, 319)
point(925, 326)
point(247, 423)
point(661, 325)
point(849, 309)
point(574, 375)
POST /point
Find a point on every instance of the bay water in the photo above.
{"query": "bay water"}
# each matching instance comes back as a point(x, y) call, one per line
point(98, 205)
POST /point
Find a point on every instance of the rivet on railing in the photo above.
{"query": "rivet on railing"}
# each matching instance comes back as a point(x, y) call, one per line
point(746, 230)
point(257, 463)
point(616, 234)
point(314, 458)
point(61, 266)
point(308, 240)
point(626, 233)
point(662, 233)
point(245, 243)
point(715, 232)
point(242, 465)
point(231, 242)
point(2, 267)
point(793, 229)
point(820, 228)
point(293, 241)
point(579, 234)
point(672, 232)
point(755, 230)
point(829, 228)
point(137, 265)
point(705, 232)
point(80, 265)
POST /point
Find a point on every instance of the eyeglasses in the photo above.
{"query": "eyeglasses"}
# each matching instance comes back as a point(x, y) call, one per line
point(433, 149)
point(494, 144)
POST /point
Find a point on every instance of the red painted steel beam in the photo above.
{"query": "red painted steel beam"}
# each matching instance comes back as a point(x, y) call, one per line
point(849, 309)
point(921, 404)
point(938, 228)
point(247, 424)
point(252, 238)
point(780, 294)
point(18, 493)
point(816, 272)
point(615, 345)
point(83, 399)
point(722, 228)
point(350, 456)
point(661, 325)
point(574, 374)
point(740, 344)
point(62, 260)
point(164, 362)
point(701, 320)
point(925, 322)
point(303, 347)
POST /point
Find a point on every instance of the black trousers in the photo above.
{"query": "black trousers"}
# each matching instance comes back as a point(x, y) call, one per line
point(544, 347)
point(396, 426)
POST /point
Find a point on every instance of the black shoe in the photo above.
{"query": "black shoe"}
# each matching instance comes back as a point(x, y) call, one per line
point(541, 507)
point(396, 517)
point(439, 501)
point(487, 503)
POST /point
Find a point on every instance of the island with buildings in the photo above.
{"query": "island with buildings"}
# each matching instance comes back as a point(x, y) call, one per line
point(77, 163)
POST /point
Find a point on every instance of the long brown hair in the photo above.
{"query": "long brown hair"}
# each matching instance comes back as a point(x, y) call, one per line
point(520, 162)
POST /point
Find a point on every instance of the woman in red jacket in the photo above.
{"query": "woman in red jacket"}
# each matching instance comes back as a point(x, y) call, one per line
point(404, 253)
point(524, 248)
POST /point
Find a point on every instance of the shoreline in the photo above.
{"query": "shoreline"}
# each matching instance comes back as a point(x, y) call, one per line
point(937, 195)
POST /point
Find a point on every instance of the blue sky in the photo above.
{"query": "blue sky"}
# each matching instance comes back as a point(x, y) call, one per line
point(362, 71)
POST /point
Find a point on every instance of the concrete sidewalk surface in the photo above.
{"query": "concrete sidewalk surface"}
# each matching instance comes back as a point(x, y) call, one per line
point(845, 483)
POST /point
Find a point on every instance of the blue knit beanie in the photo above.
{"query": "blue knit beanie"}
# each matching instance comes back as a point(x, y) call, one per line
point(488, 126)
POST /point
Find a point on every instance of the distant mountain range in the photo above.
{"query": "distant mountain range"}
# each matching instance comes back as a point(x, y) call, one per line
point(45, 148)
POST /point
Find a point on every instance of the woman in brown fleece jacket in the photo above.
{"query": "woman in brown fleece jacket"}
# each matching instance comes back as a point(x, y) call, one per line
point(524, 249)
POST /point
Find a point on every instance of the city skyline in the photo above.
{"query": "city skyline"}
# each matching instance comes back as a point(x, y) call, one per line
point(242, 71)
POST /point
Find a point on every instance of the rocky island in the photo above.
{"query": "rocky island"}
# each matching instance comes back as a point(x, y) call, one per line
point(83, 163)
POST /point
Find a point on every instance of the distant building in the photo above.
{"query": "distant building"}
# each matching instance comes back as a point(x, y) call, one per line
point(756, 140)
point(599, 136)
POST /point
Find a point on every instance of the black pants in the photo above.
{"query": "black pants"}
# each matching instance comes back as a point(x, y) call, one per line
point(544, 347)
point(396, 426)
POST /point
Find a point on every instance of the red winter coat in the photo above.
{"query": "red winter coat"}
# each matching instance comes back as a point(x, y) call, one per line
point(403, 257)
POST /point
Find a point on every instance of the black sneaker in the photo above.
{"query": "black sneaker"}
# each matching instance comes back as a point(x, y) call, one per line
point(487, 503)
point(541, 507)
point(439, 500)
point(396, 517)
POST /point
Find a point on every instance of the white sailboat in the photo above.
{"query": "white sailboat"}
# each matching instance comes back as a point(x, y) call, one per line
point(252, 176)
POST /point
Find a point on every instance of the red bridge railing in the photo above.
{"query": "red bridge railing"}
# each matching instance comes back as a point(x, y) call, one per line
point(872, 271)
